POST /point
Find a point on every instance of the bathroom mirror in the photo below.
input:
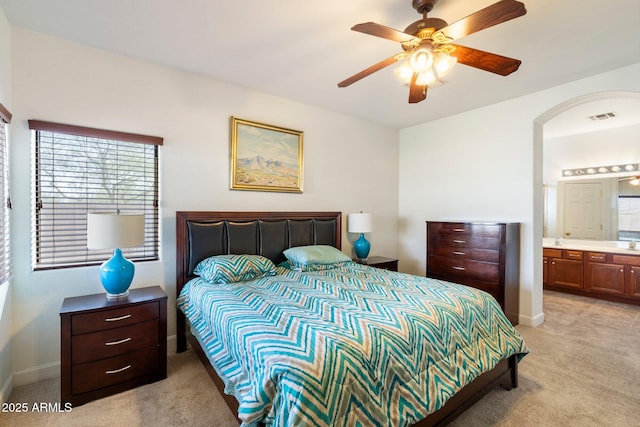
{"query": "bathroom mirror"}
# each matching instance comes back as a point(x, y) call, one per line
point(605, 206)
point(593, 209)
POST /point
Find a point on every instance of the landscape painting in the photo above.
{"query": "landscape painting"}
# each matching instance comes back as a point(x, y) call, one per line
point(265, 157)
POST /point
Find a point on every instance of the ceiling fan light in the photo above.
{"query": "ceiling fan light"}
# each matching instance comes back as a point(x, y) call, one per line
point(443, 63)
point(421, 60)
point(635, 181)
point(426, 78)
point(404, 73)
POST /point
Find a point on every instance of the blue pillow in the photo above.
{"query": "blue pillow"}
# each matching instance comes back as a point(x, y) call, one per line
point(234, 268)
point(315, 254)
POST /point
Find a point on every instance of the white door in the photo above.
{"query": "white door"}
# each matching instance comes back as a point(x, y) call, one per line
point(583, 205)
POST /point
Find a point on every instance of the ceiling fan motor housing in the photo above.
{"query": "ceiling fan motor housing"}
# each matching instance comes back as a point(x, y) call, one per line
point(424, 6)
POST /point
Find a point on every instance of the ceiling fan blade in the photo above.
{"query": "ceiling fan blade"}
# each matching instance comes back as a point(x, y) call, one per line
point(417, 92)
point(372, 69)
point(484, 60)
point(378, 30)
point(495, 14)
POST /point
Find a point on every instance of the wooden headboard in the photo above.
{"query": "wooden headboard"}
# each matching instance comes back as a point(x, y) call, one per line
point(201, 234)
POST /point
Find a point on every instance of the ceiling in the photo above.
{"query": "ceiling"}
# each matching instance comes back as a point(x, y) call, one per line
point(300, 50)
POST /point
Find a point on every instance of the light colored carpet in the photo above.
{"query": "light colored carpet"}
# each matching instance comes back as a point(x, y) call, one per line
point(583, 370)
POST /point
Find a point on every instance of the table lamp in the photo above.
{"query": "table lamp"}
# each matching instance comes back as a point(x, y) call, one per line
point(110, 230)
point(360, 223)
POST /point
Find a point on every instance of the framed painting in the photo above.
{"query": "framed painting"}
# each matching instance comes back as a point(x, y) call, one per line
point(265, 157)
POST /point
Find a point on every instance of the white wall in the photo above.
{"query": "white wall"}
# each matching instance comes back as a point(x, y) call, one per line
point(349, 165)
point(486, 164)
point(606, 147)
point(5, 290)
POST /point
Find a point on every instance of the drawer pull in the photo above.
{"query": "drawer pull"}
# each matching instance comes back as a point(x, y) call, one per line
point(459, 230)
point(118, 342)
point(115, 371)
point(458, 241)
point(458, 253)
point(455, 267)
point(115, 319)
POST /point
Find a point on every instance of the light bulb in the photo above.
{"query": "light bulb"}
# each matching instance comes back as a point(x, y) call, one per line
point(444, 63)
point(421, 60)
point(425, 78)
point(404, 73)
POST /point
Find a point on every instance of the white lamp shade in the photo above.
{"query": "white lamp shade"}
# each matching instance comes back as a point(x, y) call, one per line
point(108, 230)
point(360, 223)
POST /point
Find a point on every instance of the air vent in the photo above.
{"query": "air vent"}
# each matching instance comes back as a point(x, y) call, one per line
point(603, 116)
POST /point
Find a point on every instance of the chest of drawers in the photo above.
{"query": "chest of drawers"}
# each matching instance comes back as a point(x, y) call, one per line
point(483, 255)
point(111, 346)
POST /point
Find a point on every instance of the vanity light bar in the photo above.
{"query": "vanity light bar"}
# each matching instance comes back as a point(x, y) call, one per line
point(599, 170)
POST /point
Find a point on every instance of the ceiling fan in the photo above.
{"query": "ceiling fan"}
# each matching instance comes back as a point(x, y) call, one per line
point(428, 45)
point(633, 180)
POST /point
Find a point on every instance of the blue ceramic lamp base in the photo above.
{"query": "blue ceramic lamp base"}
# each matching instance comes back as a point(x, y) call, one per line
point(116, 276)
point(361, 247)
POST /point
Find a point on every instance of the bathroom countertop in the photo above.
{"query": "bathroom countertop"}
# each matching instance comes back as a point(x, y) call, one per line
point(592, 246)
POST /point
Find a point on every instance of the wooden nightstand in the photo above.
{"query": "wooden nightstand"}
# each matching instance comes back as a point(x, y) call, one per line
point(380, 262)
point(111, 346)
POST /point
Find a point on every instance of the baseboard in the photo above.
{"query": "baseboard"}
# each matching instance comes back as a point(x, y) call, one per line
point(533, 322)
point(6, 389)
point(52, 370)
point(36, 374)
point(172, 345)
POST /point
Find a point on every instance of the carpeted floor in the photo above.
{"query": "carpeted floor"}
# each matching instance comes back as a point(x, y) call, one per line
point(583, 370)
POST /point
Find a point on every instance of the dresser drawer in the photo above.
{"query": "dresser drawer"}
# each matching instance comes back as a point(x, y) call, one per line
point(465, 241)
point(114, 370)
point(465, 229)
point(466, 269)
point(475, 254)
point(112, 342)
point(107, 319)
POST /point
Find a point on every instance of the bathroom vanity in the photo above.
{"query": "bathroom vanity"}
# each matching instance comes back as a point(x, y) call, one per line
point(595, 269)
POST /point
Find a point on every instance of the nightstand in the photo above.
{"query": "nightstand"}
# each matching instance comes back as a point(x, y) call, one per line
point(380, 262)
point(111, 346)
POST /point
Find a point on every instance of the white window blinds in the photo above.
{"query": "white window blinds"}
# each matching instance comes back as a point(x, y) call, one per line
point(80, 170)
point(5, 254)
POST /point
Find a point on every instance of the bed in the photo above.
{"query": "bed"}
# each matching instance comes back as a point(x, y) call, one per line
point(201, 235)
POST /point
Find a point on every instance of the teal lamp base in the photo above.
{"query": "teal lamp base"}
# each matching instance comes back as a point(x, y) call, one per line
point(116, 276)
point(361, 247)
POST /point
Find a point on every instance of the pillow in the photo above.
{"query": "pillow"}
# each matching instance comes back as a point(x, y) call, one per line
point(316, 254)
point(234, 268)
point(310, 267)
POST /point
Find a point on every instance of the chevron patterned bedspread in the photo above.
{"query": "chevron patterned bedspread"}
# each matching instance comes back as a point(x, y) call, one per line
point(348, 346)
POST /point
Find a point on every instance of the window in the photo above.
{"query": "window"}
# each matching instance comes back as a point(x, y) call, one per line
point(629, 217)
point(5, 201)
point(79, 170)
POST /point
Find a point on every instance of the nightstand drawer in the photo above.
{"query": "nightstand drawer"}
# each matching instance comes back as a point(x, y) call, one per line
point(109, 346)
point(112, 342)
point(106, 372)
point(107, 319)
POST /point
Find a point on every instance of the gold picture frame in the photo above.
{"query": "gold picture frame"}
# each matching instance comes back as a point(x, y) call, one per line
point(265, 157)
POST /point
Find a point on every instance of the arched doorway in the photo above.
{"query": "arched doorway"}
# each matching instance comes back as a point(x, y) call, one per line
point(538, 143)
